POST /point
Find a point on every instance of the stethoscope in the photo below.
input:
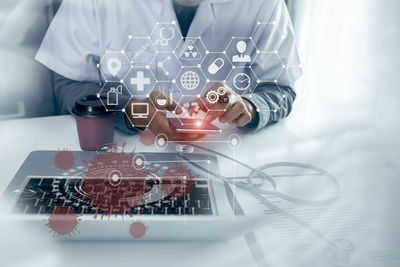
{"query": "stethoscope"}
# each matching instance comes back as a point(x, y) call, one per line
point(339, 251)
point(166, 35)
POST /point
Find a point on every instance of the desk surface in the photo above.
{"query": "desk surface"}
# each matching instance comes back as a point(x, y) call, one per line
point(19, 138)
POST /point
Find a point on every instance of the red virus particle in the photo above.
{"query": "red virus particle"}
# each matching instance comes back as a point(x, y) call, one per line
point(137, 229)
point(64, 159)
point(113, 185)
point(63, 222)
point(177, 181)
point(147, 138)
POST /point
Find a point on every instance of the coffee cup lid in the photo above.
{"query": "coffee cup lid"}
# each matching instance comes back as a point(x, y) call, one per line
point(91, 106)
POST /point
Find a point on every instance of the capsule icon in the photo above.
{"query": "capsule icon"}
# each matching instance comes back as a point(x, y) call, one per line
point(216, 66)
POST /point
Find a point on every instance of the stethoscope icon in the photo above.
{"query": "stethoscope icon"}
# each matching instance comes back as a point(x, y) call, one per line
point(166, 35)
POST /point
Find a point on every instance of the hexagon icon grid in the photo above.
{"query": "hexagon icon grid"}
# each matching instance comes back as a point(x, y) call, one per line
point(193, 51)
point(241, 51)
point(192, 110)
point(114, 96)
point(170, 90)
point(114, 66)
point(191, 81)
point(140, 51)
point(210, 96)
point(274, 70)
point(269, 52)
point(242, 80)
point(166, 37)
point(166, 66)
point(140, 81)
point(141, 113)
point(216, 66)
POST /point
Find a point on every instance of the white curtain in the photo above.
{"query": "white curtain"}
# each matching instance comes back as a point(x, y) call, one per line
point(334, 43)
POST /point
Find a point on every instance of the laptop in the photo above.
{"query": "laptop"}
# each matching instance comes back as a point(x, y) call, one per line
point(122, 196)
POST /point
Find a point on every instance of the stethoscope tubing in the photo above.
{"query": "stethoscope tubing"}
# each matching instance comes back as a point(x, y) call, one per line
point(260, 194)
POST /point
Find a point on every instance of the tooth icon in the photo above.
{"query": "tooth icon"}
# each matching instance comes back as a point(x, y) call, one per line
point(114, 66)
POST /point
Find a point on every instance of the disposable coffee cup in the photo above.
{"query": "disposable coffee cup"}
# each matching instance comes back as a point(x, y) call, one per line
point(94, 122)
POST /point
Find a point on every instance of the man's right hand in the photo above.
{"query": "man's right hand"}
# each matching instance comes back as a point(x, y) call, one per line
point(160, 123)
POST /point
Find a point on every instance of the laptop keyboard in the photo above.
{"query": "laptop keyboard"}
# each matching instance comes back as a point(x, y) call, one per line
point(42, 195)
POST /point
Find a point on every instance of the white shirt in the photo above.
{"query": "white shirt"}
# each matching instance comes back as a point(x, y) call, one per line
point(83, 30)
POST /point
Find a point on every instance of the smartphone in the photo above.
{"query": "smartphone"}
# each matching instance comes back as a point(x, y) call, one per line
point(193, 126)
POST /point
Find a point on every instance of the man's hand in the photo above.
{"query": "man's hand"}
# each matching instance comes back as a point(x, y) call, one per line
point(237, 111)
point(160, 124)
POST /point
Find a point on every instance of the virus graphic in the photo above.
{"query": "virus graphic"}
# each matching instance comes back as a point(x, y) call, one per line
point(63, 222)
point(64, 159)
point(177, 181)
point(113, 185)
point(147, 138)
point(137, 229)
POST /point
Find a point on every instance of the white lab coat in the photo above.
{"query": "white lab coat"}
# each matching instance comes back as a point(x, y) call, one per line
point(83, 30)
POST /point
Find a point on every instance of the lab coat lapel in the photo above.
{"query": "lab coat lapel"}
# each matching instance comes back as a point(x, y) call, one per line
point(203, 19)
point(168, 13)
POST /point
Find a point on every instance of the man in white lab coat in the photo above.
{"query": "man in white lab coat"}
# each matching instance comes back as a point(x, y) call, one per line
point(253, 37)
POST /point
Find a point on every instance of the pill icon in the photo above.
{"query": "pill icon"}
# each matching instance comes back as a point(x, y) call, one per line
point(216, 66)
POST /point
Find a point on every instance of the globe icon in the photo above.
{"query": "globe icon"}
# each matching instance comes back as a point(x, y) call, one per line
point(190, 80)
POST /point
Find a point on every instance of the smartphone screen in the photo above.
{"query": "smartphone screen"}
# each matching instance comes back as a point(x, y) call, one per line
point(193, 126)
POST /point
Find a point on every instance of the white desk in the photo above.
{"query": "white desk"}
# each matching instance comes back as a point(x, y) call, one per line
point(19, 138)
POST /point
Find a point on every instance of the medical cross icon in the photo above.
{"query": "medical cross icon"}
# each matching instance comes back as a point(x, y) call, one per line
point(140, 81)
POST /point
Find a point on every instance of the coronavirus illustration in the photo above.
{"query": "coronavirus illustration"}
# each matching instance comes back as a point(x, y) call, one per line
point(137, 229)
point(177, 181)
point(64, 159)
point(114, 185)
point(63, 222)
point(118, 183)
